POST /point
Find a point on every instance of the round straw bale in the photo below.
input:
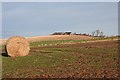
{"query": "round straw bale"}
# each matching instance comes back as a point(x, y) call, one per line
point(17, 46)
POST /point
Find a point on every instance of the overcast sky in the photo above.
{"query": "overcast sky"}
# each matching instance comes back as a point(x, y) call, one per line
point(43, 18)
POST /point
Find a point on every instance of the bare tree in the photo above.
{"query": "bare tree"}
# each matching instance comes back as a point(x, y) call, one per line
point(97, 32)
point(101, 34)
point(93, 33)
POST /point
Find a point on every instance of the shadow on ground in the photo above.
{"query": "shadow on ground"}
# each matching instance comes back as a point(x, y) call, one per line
point(4, 54)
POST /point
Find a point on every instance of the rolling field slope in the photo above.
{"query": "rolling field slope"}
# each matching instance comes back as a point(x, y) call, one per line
point(53, 37)
point(65, 59)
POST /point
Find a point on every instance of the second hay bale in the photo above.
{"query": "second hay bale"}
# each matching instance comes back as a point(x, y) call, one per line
point(17, 46)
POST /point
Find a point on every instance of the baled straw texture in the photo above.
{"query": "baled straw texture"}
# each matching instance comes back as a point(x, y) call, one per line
point(17, 46)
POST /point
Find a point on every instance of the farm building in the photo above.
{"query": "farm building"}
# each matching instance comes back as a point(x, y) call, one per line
point(61, 33)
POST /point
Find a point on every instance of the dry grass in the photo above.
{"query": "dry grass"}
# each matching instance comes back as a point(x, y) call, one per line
point(53, 37)
point(59, 37)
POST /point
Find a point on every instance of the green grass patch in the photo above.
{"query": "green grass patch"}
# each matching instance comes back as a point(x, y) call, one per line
point(62, 59)
point(54, 42)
